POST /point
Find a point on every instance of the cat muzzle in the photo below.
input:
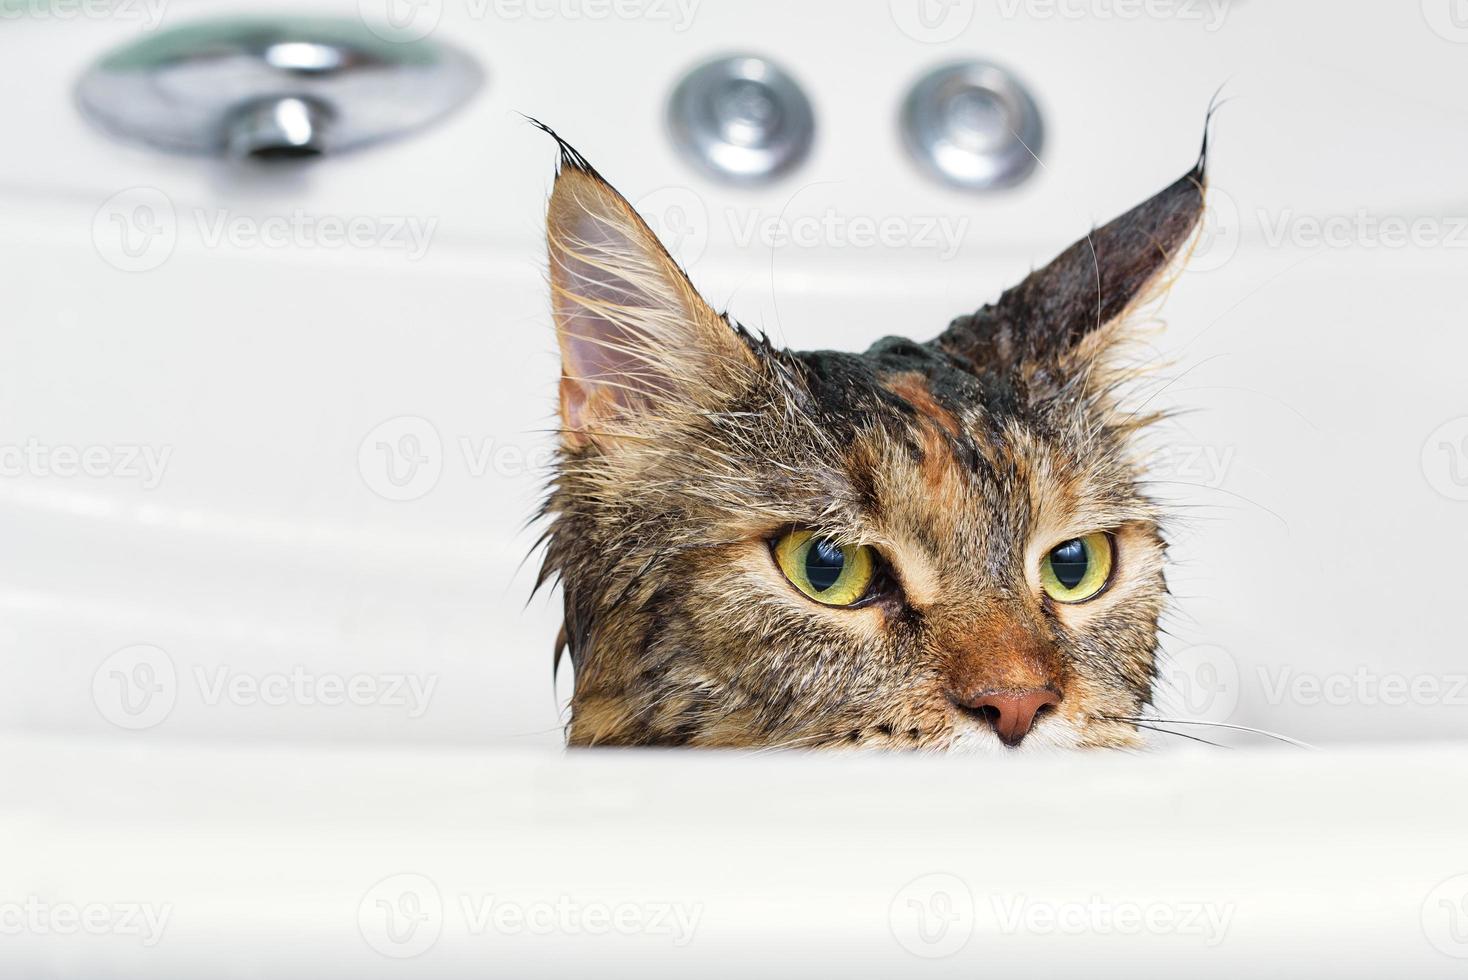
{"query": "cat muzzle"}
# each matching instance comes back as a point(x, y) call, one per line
point(1010, 713)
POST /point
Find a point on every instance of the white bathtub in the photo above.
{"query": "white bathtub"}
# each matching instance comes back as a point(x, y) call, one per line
point(254, 665)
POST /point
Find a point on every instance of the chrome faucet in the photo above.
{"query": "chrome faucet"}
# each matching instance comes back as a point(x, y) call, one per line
point(274, 88)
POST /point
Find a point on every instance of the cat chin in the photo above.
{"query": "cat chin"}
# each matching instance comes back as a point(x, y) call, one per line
point(1050, 736)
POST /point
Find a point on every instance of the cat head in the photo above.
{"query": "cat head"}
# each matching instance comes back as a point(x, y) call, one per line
point(941, 545)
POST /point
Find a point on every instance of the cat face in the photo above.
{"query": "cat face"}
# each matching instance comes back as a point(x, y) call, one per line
point(936, 545)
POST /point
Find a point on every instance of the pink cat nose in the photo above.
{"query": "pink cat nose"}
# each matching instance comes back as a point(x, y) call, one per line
point(1011, 713)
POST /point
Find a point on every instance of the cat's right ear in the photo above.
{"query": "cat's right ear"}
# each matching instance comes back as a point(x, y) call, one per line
point(1059, 318)
point(637, 341)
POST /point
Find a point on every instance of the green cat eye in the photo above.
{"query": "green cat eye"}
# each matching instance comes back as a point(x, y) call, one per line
point(1078, 569)
point(829, 573)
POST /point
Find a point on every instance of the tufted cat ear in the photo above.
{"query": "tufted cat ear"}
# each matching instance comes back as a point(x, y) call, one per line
point(636, 339)
point(1058, 317)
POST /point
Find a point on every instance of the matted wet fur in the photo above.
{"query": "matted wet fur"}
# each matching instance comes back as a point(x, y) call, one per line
point(690, 445)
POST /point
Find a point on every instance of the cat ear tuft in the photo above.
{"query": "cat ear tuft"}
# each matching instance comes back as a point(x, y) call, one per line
point(570, 157)
point(636, 339)
point(1061, 313)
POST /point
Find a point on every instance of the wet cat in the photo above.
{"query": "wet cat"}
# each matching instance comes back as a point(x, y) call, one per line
point(938, 545)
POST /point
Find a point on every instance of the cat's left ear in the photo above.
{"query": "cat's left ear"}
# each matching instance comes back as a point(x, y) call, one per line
point(1063, 314)
point(637, 341)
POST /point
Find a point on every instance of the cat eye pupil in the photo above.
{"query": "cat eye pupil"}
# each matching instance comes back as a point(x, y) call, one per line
point(1069, 561)
point(823, 564)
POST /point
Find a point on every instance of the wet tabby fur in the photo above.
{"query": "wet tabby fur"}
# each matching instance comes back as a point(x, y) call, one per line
point(688, 445)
